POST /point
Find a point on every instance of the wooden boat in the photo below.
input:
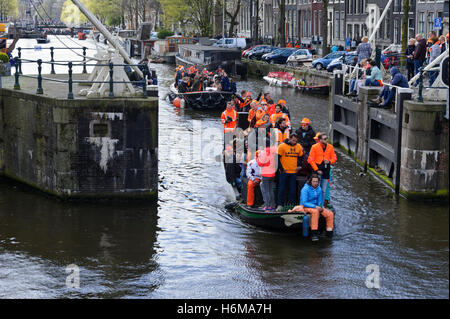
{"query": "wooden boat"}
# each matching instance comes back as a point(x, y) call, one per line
point(43, 40)
point(281, 79)
point(323, 89)
point(201, 100)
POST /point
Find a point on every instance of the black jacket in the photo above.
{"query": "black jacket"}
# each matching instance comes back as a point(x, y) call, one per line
point(306, 138)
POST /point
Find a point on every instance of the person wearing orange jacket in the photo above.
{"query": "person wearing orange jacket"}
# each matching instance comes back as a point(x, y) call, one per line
point(321, 157)
point(262, 108)
point(252, 114)
point(266, 161)
point(281, 131)
point(229, 118)
point(279, 114)
point(270, 107)
point(263, 121)
point(284, 108)
point(289, 163)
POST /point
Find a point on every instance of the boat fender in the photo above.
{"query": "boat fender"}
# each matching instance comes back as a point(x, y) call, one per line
point(182, 103)
point(302, 82)
point(305, 225)
point(177, 102)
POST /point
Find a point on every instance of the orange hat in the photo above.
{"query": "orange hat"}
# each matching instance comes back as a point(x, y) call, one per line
point(263, 101)
point(305, 121)
point(281, 102)
point(255, 101)
point(316, 138)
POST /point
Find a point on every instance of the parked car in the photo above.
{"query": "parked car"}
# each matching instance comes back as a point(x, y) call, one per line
point(231, 43)
point(347, 58)
point(299, 57)
point(322, 63)
point(259, 52)
point(279, 56)
point(254, 47)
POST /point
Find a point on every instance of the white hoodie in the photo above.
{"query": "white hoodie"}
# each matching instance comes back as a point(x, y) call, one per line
point(253, 170)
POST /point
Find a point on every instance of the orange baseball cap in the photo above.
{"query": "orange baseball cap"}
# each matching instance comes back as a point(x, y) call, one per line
point(316, 138)
point(281, 102)
point(305, 121)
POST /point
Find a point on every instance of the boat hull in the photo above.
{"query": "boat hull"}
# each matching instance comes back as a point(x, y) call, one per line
point(286, 222)
point(203, 100)
point(278, 82)
point(314, 89)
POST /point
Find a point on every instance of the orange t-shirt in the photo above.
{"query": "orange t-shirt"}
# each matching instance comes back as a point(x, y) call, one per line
point(289, 155)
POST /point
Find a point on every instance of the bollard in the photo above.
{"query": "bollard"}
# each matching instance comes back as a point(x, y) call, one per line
point(144, 86)
point(39, 78)
point(111, 80)
point(52, 60)
point(16, 75)
point(70, 95)
point(420, 96)
point(20, 57)
point(84, 60)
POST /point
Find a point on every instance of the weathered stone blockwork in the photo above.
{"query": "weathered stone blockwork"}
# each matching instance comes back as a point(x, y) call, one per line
point(106, 148)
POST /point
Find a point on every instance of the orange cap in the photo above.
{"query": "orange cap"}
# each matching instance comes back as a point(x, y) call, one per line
point(316, 138)
point(305, 121)
point(281, 102)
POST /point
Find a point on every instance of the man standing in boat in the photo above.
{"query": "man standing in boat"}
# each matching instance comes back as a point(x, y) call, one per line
point(306, 135)
point(289, 163)
point(229, 118)
point(321, 157)
point(254, 179)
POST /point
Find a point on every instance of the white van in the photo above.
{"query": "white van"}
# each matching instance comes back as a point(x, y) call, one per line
point(231, 43)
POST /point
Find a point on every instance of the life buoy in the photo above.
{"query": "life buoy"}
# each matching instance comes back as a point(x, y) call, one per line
point(177, 102)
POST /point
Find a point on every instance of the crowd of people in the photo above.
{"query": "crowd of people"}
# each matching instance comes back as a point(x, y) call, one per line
point(419, 53)
point(194, 80)
point(281, 154)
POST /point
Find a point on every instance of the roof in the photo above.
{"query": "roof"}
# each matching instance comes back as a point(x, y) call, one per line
point(205, 48)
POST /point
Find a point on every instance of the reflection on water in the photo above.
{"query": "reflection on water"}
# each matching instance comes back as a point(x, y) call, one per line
point(189, 246)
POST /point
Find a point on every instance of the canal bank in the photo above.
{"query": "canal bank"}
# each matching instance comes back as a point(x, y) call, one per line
point(406, 146)
point(78, 148)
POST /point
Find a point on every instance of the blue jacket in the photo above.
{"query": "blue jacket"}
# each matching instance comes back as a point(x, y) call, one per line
point(398, 79)
point(225, 83)
point(311, 197)
point(375, 74)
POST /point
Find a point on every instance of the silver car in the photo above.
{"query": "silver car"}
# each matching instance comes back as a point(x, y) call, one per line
point(299, 57)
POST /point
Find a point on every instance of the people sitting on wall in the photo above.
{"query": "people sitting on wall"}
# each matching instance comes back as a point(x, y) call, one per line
point(388, 93)
point(375, 78)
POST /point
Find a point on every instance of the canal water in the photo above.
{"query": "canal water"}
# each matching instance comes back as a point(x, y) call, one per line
point(189, 246)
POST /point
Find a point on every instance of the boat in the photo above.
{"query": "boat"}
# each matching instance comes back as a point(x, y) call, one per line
point(323, 89)
point(281, 79)
point(211, 58)
point(43, 40)
point(201, 100)
point(167, 49)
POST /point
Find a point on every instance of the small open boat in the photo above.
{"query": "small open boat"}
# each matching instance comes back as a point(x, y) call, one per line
point(43, 40)
point(322, 89)
point(280, 221)
point(282, 79)
point(201, 100)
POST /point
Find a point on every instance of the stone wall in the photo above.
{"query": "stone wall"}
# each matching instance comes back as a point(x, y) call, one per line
point(105, 148)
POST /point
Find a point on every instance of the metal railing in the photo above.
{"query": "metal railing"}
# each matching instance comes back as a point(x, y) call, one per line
point(70, 81)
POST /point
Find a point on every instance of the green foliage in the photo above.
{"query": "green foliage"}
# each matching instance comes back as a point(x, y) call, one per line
point(4, 57)
point(107, 11)
point(8, 8)
point(164, 33)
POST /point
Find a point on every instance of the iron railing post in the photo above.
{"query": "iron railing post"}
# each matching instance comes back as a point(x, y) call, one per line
point(84, 60)
point(20, 57)
point(39, 78)
point(111, 80)
point(144, 86)
point(52, 60)
point(420, 96)
point(17, 74)
point(70, 95)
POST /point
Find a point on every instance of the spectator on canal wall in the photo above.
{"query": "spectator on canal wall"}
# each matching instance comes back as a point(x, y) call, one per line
point(364, 49)
point(419, 53)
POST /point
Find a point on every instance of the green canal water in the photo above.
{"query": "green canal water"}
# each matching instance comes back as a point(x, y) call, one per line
point(189, 246)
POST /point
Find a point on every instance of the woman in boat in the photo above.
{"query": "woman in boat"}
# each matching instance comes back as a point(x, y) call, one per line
point(268, 165)
point(311, 200)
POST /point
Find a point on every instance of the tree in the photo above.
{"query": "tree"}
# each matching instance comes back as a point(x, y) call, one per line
point(405, 26)
point(201, 12)
point(7, 8)
point(282, 25)
point(232, 9)
point(325, 48)
point(175, 11)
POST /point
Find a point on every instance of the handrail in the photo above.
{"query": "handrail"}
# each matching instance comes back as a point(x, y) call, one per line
point(70, 80)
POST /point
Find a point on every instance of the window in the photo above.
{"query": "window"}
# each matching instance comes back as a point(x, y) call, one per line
point(430, 21)
point(422, 22)
point(342, 24)
point(336, 25)
point(396, 31)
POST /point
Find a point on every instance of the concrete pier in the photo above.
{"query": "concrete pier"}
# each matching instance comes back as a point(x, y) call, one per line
point(78, 148)
point(405, 146)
